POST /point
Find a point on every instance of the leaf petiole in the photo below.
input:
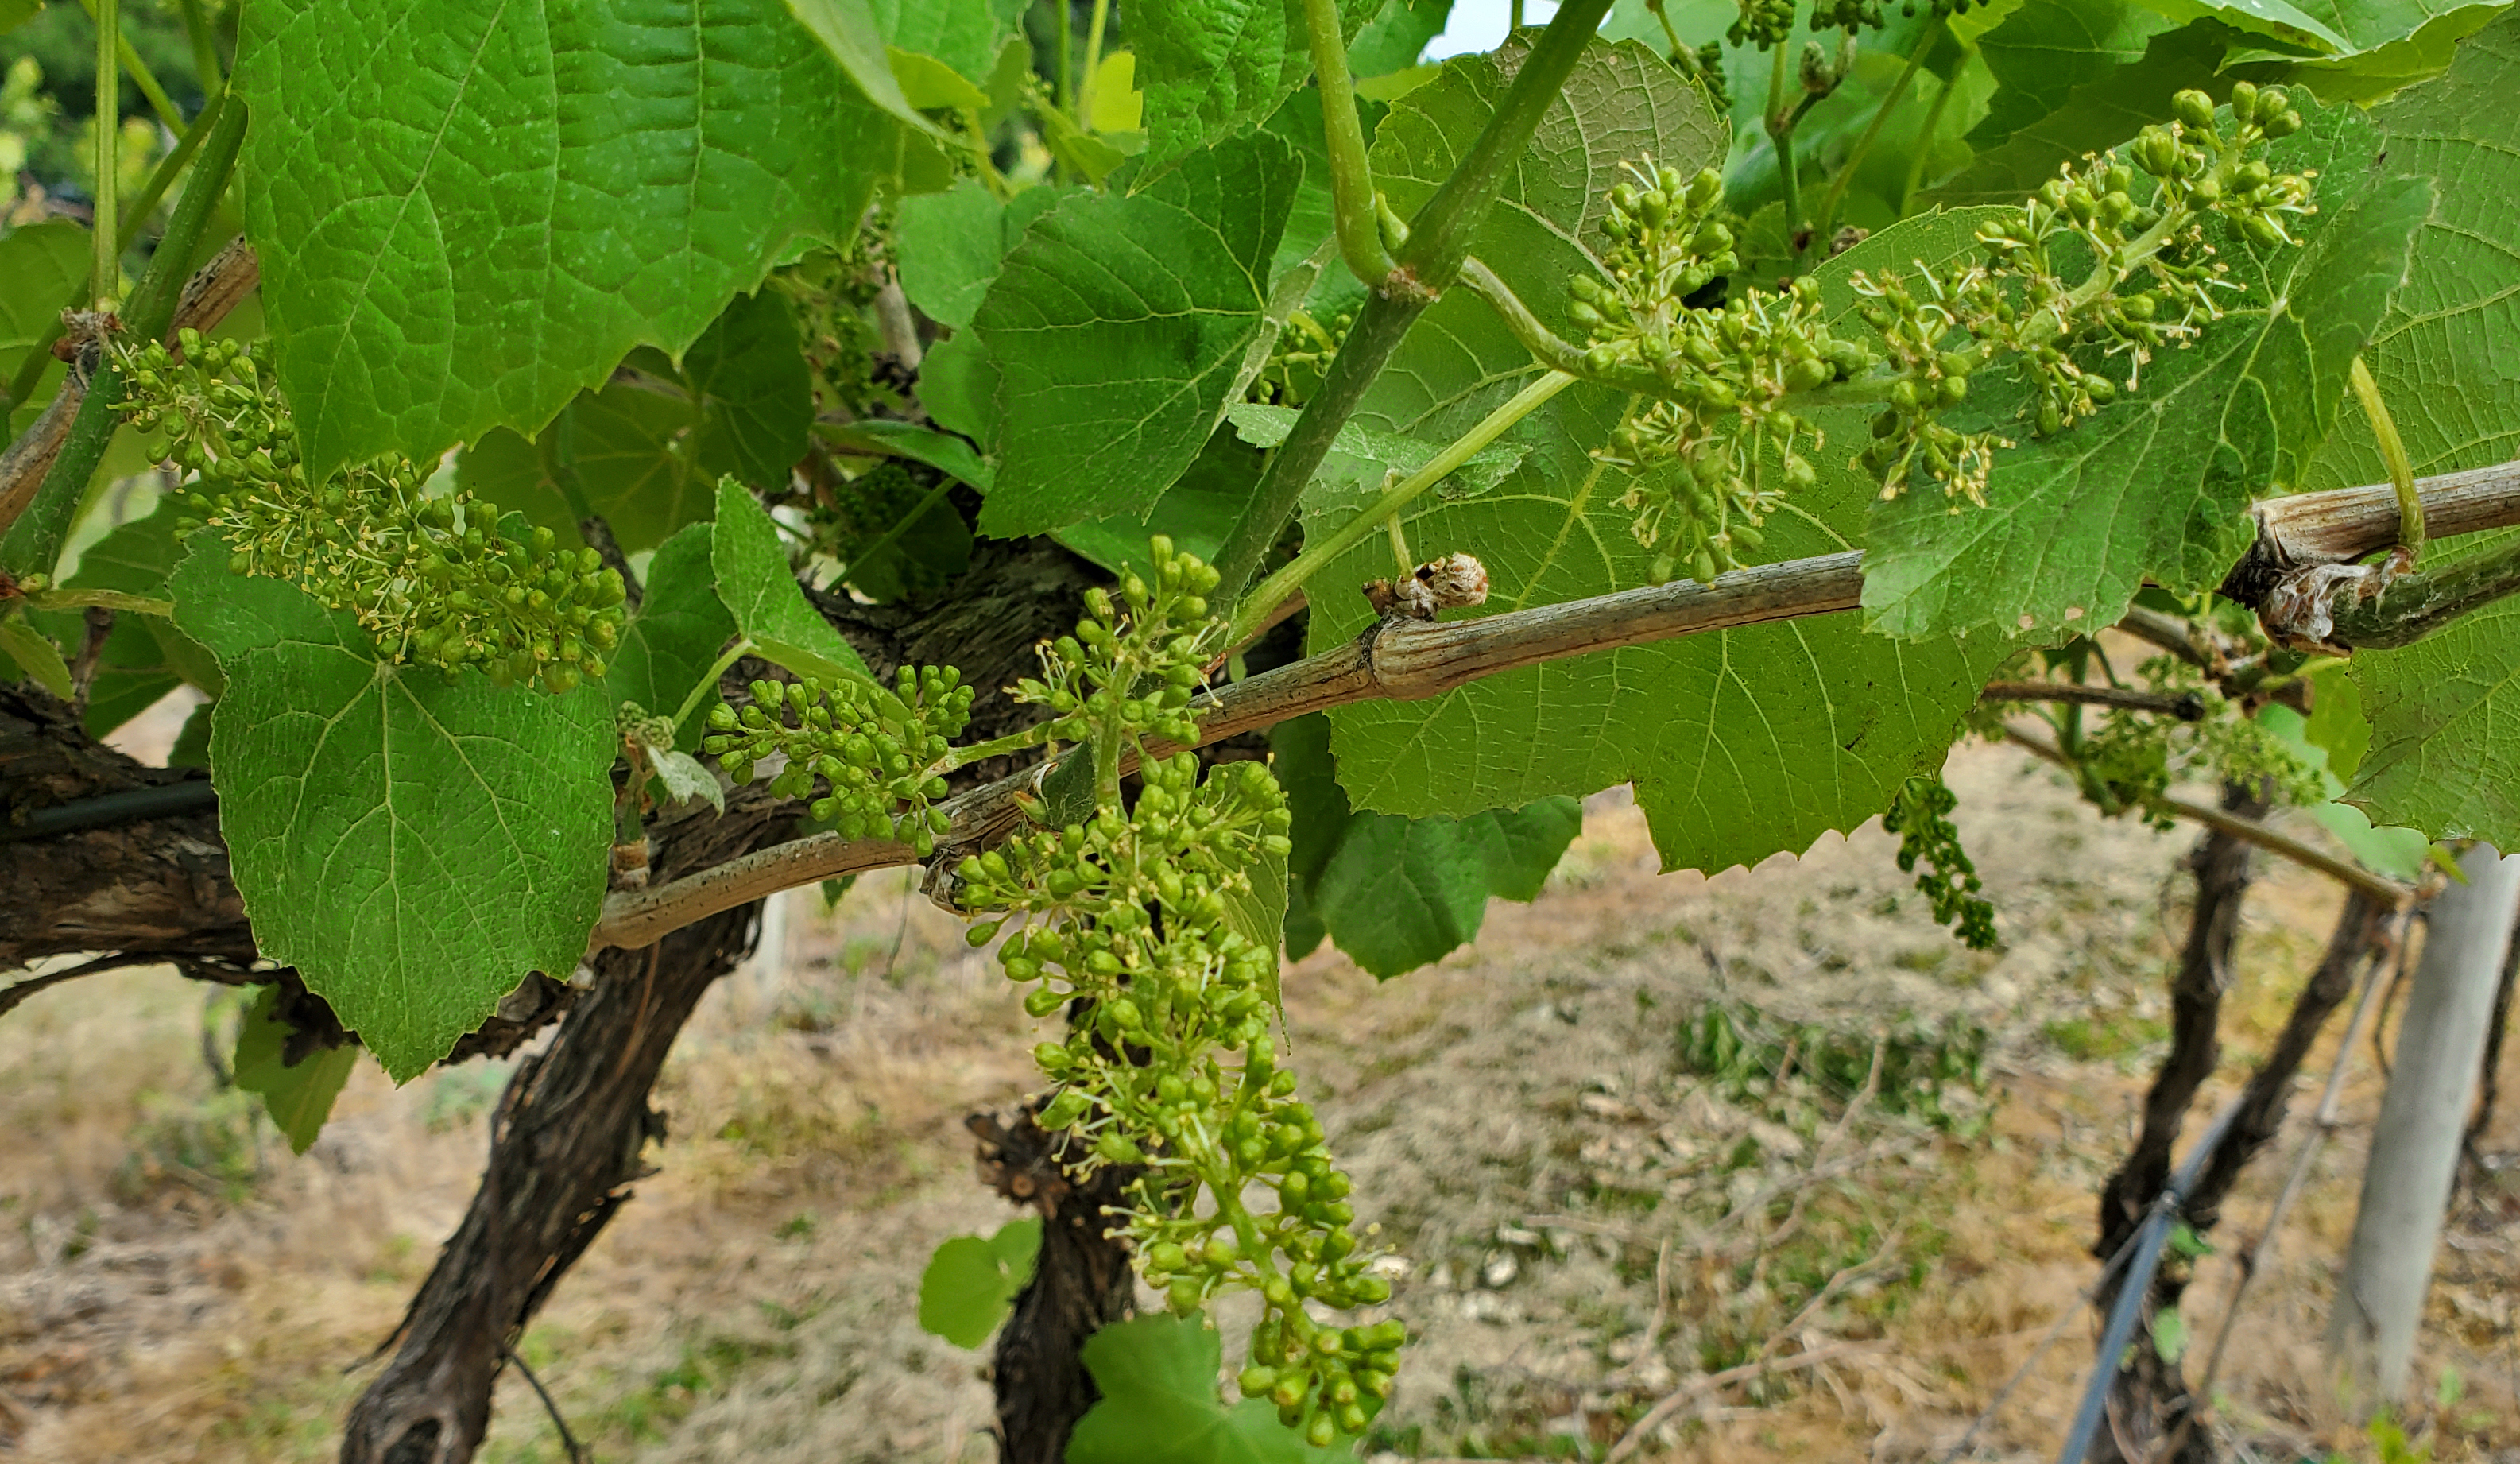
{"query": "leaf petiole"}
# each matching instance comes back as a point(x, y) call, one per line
point(1781, 136)
point(1252, 614)
point(1093, 64)
point(1827, 218)
point(707, 683)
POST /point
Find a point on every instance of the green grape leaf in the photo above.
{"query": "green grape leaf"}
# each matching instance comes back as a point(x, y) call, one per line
point(1196, 513)
point(2438, 757)
point(1259, 915)
point(930, 84)
point(965, 35)
point(676, 635)
point(1309, 218)
point(2103, 107)
point(751, 390)
point(2045, 49)
point(2158, 486)
point(1160, 1405)
point(1212, 67)
point(298, 1097)
point(143, 656)
point(1621, 102)
point(685, 778)
point(2399, 60)
point(1740, 742)
point(2337, 726)
point(534, 192)
point(758, 588)
point(132, 671)
point(43, 267)
point(1362, 461)
point(2396, 852)
point(1397, 894)
point(415, 843)
point(2359, 49)
point(971, 1282)
point(37, 659)
point(852, 37)
point(16, 13)
point(647, 454)
point(930, 545)
point(2275, 20)
point(1395, 38)
point(958, 385)
point(139, 558)
point(1121, 327)
point(193, 742)
point(1300, 756)
point(950, 245)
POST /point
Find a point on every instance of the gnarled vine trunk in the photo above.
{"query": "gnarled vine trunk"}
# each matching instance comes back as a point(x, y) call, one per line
point(2151, 1409)
point(1080, 1283)
point(2148, 1385)
point(566, 1147)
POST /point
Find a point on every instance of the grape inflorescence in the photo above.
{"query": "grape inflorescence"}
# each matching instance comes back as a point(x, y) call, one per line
point(1146, 926)
point(1717, 449)
point(1921, 815)
point(1715, 440)
point(2155, 279)
point(874, 751)
point(434, 578)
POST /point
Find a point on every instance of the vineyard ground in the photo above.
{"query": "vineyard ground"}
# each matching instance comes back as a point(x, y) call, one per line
point(1523, 1119)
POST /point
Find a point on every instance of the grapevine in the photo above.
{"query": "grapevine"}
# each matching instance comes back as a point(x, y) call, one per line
point(1127, 917)
point(439, 578)
point(1041, 271)
point(2012, 302)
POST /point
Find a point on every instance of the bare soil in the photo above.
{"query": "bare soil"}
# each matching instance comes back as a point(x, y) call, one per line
point(1584, 1217)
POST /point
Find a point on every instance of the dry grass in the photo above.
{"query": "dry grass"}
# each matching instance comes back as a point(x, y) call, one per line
point(1520, 1118)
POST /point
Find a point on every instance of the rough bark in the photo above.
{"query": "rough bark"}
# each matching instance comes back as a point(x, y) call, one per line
point(2151, 1400)
point(1081, 1282)
point(567, 1146)
point(2220, 863)
point(157, 889)
point(2222, 867)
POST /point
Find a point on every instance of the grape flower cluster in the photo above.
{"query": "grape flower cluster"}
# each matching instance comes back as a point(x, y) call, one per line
point(1300, 359)
point(875, 750)
point(1765, 24)
point(2131, 760)
point(1942, 324)
point(1716, 442)
point(1921, 815)
point(1142, 924)
point(1716, 449)
point(439, 578)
